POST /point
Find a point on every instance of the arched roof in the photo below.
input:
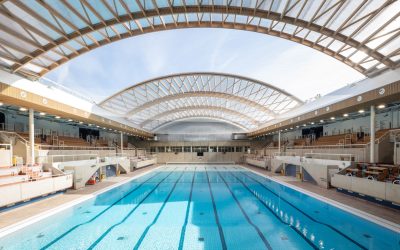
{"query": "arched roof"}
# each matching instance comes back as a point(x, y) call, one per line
point(239, 100)
point(38, 35)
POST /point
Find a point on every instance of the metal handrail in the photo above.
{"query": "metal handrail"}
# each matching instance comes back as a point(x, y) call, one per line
point(63, 157)
point(15, 134)
point(55, 147)
point(36, 179)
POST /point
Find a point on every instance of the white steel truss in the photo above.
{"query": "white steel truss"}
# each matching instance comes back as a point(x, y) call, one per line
point(242, 101)
point(36, 36)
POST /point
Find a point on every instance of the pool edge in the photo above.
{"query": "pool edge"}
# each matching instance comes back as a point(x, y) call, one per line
point(43, 215)
point(354, 211)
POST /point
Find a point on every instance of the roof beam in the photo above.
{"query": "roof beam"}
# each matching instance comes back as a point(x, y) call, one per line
point(199, 107)
point(198, 9)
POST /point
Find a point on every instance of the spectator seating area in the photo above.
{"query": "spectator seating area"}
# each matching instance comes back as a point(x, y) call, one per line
point(15, 174)
point(379, 172)
point(341, 139)
point(55, 140)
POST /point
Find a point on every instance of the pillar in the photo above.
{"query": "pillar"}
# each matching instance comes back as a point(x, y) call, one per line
point(279, 141)
point(32, 136)
point(122, 142)
point(372, 136)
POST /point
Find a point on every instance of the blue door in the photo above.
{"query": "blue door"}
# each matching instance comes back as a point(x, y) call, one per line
point(111, 170)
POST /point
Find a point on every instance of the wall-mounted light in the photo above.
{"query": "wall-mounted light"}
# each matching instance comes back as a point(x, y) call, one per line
point(382, 106)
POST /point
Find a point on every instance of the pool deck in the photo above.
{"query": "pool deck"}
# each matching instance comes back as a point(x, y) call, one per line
point(387, 213)
point(21, 213)
point(18, 215)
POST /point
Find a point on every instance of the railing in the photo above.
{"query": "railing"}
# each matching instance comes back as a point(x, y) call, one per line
point(16, 135)
point(329, 146)
point(285, 154)
point(65, 158)
point(54, 147)
point(328, 156)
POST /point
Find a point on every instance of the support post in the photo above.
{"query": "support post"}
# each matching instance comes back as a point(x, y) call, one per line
point(122, 142)
point(279, 141)
point(32, 136)
point(372, 135)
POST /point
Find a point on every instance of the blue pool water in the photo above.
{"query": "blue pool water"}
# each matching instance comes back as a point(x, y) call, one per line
point(203, 207)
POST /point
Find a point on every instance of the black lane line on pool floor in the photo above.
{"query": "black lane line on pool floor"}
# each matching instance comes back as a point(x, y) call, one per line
point(265, 241)
point(158, 214)
point(311, 218)
point(98, 215)
point(279, 219)
point(129, 214)
point(182, 238)
point(221, 233)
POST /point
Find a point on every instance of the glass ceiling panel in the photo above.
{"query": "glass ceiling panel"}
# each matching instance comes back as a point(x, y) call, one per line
point(230, 96)
point(323, 25)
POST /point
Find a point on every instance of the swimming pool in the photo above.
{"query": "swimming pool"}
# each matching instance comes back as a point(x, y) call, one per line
point(203, 207)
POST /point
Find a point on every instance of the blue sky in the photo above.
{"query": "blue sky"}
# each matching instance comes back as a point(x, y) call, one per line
point(300, 70)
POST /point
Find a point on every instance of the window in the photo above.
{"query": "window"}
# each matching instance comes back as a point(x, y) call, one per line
point(226, 149)
point(153, 149)
point(213, 149)
point(187, 149)
point(239, 149)
point(161, 149)
point(176, 149)
point(200, 148)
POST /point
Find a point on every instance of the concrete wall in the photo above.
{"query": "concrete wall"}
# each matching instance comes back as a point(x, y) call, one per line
point(27, 190)
point(192, 157)
point(381, 190)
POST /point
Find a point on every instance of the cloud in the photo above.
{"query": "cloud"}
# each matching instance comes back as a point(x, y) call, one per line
point(287, 65)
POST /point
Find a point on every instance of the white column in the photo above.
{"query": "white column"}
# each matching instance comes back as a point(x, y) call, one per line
point(32, 136)
point(372, 135)
point(122, 142)
point(279, 141)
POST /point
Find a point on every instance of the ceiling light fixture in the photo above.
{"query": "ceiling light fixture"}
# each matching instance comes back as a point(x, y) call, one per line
point(382, 106)
point(361, 111)
point(42, 113)
point(332, 118)
point(346, 115)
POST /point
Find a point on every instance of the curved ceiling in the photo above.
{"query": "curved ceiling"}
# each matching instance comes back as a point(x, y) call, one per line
point(242, 101)
point(39, 35)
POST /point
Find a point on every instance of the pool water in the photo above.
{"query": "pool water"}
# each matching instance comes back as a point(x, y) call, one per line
point(203, 207)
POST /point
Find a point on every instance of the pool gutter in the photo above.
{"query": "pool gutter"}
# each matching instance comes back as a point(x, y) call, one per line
point(35, 218)
point(354, 211)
